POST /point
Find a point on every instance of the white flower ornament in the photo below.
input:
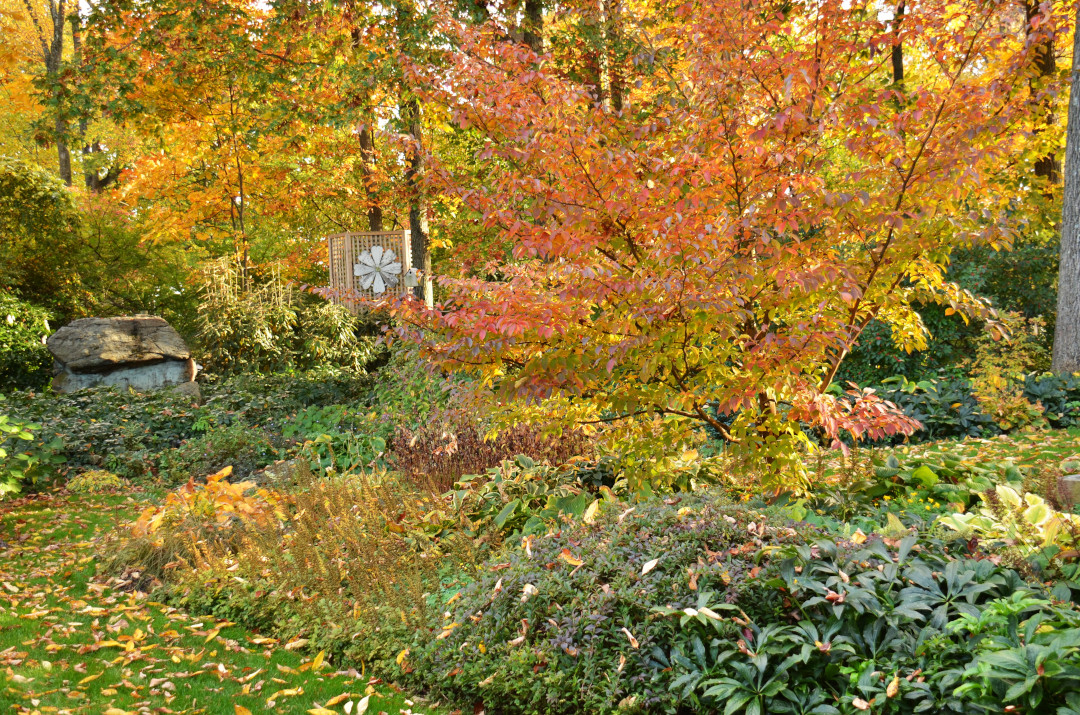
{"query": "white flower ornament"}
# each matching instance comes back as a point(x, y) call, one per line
point(377, 269)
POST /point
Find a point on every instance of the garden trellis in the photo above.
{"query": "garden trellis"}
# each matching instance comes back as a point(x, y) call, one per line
point(371, 264)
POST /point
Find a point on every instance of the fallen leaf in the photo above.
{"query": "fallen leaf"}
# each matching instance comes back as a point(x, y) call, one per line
point(569, 558)
point(649, 566)
point(590, 514)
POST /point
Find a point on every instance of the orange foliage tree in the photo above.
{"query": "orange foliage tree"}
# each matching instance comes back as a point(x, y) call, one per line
point(706, 250)
point(264, 126)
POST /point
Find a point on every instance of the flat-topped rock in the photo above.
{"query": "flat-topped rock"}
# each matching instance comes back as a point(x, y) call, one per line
point(100, 344)
point(142, 352)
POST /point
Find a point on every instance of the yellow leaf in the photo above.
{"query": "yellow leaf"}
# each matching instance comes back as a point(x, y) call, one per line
point(320, 711)
point(569, 558)
point(894, 687)
point(337, 700)
point(317, 663)
point(90, 678)
point(212, 635)
point(241, 710)
point(858, 537)
point(118, 711)
point(402, 656)
point(590, 514)
point(220, 475)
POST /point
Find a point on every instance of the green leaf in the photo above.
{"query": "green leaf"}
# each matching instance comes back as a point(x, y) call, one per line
point(506, 513)
point(925, 476)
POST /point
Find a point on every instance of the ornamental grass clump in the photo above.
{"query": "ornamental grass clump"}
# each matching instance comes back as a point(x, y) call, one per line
point(195, 518)
point(349, 567)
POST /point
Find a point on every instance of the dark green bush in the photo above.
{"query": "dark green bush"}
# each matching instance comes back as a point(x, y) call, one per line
point(25, 362)
point(242, 447)
point(127, 432)
point(543, 630)
point(948, 408)
point(1022, 280)
point(899, 624)
point(40, 230)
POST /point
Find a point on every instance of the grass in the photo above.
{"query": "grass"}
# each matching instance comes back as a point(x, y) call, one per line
point(72, 643)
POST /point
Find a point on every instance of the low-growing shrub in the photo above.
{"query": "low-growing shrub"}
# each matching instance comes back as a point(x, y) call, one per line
point(996, 401)
point(897, 626)
point(519, 497)
point(564, 622)
point(25, 458)
point(946, 408)
point(240, 446)
point(95, 481)
point(128, 432)
point(342, 438)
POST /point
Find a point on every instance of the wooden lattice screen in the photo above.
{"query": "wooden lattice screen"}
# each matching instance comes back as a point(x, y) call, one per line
point(346, 250)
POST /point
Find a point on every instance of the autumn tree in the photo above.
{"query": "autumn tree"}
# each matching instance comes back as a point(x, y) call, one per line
point(50, 21)
point(711, 257)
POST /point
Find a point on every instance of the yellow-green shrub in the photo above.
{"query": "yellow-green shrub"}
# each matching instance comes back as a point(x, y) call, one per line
point(95, 481)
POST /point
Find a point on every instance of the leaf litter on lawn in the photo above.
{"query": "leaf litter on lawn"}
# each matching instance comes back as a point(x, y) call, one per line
point(70, 643)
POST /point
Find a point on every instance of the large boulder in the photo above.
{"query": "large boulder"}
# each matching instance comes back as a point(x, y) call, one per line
point(142, 352)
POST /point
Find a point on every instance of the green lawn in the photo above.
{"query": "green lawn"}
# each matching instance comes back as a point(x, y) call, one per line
point(72, 643)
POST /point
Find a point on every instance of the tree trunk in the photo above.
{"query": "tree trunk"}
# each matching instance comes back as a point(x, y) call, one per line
point(409, 110)
point(418, 240)
point(1067, 332)
point(52, 54)
point(367, 170)
point(613, 45)
point(1048, 166)
point(53, 65)
point(533, 26)
point(898, 47)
